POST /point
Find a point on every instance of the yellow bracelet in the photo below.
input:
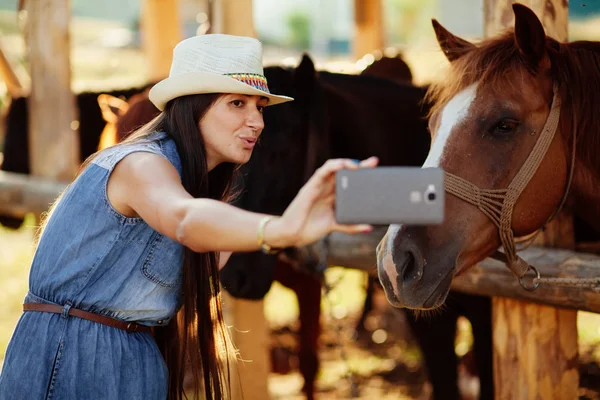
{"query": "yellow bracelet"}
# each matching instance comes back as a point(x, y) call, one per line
point(260, 236)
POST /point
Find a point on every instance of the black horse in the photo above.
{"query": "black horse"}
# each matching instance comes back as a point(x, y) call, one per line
point(338, 115)
point(334, 115)
point(16, 128)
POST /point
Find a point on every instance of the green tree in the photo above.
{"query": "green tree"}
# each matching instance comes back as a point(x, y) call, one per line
point(404, 17)
point(298, 23)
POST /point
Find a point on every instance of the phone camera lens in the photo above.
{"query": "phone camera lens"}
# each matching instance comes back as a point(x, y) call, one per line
point(430, 194)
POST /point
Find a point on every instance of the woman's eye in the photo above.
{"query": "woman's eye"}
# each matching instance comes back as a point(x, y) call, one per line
point(237, 103)
point(261, 109)
point(504, 127)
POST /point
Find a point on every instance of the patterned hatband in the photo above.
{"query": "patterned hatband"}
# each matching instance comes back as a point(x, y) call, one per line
point(255, 80)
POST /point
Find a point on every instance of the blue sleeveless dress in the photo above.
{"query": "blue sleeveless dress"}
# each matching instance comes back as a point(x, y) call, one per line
point(97, 260)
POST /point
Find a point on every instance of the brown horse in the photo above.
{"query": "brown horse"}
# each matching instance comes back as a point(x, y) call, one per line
point(488, 116)
point(333, 112)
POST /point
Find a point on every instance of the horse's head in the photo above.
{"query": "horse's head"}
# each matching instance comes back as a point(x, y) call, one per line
point(282, 158)
point(393, 68)
point(487, 118)
point(290, 148)
point(123, 117)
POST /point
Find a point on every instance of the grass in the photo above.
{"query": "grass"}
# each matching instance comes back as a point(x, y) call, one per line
point(346, 297)
point(16, 251)
point(97, 68)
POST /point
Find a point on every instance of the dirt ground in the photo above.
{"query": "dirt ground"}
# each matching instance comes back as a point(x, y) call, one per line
point(384, 362)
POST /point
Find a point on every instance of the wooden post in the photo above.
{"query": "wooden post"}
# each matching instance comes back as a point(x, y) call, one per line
point(53, 125)
point(535, 351)
point(554, 15)
point(369, 27)
point(535, 346)
point(250, 335)
point(249, 328)
point(13, 86)
point(233, 17)
point(21, 194)
point(161, 32)
point(249, 325)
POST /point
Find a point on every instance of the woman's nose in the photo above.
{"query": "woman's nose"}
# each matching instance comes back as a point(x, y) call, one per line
point(255, 120)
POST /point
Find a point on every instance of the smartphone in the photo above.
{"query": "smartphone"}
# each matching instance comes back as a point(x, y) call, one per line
point(390, 195)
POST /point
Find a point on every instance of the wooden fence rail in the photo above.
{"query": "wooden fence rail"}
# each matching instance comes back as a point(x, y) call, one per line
point(20, 194)
point(491, 277)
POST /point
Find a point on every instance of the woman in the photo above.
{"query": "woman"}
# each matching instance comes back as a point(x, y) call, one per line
point(136, 241)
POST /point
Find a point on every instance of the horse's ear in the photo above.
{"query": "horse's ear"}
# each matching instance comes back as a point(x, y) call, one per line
point(306, 64)
point(305, 77)
point(452, 46)
point(529, 36)
point(112, 107)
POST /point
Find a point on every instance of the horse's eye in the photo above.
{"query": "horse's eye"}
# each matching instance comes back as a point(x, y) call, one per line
point(504, 127)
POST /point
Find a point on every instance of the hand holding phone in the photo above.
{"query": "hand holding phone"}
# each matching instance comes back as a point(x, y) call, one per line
point(390, 195)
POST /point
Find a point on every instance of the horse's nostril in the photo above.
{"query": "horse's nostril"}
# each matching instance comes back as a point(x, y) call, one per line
point(407, 267)
point(411, 270)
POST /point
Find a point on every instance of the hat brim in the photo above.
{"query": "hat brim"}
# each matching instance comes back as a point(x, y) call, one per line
point(204, 82)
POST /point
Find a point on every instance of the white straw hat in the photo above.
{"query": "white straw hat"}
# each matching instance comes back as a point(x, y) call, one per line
point(215, 63)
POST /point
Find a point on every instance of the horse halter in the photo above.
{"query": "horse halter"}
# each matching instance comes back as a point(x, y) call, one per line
point(498, 204)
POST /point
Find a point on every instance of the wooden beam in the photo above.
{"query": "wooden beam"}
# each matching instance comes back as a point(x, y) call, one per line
point(535, 346)
point(161, 31)
point(233, 17)
point(490, 277)
point(535, 351)
point(21, 194)
point(350, 251)
point(554, 15)
point(53, 138)
point(250, 333)
point(13, 86)
point(369, 27)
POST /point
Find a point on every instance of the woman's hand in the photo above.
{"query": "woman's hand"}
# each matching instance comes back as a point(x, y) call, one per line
point(311, 214)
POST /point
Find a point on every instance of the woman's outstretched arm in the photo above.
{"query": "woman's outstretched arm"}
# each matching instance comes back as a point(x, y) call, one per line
point(147, 185)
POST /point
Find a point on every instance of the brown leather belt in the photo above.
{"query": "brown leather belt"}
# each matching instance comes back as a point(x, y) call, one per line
point(115, 323)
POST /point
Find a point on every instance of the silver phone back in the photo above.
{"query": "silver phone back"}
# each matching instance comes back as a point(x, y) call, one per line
point(390, 195)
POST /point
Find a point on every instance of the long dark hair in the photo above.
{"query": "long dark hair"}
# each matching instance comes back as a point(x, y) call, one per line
point(197, 337)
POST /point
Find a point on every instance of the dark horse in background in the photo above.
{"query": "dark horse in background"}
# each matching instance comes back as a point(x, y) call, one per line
point(358, 116)
point(16, 128)
point(334, 115)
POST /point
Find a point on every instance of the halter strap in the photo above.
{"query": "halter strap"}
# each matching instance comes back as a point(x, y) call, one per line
point(498, 204)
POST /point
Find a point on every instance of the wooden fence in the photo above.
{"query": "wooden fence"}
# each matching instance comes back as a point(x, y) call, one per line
point(531, 328)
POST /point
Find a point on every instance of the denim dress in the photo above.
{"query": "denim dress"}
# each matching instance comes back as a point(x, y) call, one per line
point(93, 258)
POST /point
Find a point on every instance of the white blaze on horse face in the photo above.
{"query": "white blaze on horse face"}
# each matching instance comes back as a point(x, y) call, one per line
point(391, 235)
point(453, 113)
